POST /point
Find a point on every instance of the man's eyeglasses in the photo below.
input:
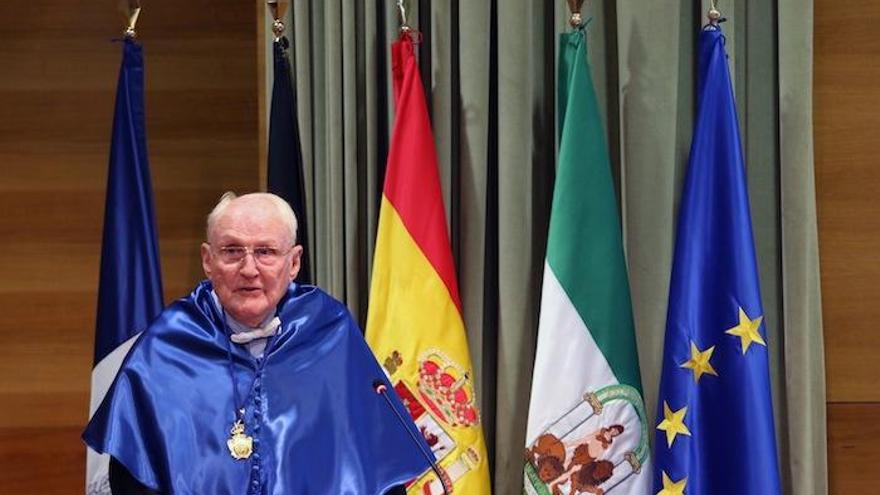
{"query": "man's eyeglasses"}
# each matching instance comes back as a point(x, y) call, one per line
point(263, 255)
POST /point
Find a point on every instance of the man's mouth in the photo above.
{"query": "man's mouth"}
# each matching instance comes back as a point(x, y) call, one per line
point(248, 290)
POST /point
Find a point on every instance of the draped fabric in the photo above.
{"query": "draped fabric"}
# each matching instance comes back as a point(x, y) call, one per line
point(489, 74)
point(185, 362)
point(715, 381)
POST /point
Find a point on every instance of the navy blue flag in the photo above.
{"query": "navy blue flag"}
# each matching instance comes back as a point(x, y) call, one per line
point(130, 285)
point(714, 428)
point(285, 169)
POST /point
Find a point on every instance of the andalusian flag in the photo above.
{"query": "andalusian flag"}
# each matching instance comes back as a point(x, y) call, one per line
point(414, 324)
point(586, 428)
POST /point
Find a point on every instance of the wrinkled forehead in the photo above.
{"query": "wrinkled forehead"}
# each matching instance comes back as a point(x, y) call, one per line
point(252, 223)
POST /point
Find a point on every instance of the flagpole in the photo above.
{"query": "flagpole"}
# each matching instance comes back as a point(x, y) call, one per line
point(575, 6)
point(414, 35)
point(278, 8)
point(714, 14)
point(132, 10)
point(401, 11)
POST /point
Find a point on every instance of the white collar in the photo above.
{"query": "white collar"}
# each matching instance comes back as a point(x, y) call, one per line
point(243, 334)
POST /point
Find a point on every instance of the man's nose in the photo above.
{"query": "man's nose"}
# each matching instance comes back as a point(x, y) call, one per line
point(249, 266)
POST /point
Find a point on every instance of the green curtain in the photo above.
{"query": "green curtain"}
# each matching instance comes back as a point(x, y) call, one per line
point(489, 70)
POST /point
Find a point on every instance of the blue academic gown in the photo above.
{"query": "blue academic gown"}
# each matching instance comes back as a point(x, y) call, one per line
point(318, 425)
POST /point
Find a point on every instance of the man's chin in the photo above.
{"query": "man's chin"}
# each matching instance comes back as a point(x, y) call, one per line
point(250, 314)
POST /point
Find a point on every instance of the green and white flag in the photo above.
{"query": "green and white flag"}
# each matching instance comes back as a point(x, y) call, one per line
point(586, 431)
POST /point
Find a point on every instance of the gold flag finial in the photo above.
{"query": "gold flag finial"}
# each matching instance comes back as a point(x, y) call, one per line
point(575, 7)
point(278, 8)
point(714, 14)
point(131, 9)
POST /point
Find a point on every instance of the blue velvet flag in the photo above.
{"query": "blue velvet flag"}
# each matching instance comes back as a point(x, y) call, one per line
point(714, 428)
point(318, 426)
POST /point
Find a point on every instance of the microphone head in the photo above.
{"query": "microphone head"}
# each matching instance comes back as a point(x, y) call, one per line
point(379, 386)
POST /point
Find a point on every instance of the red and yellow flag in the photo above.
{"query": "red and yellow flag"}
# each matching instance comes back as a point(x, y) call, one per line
point(415, 325)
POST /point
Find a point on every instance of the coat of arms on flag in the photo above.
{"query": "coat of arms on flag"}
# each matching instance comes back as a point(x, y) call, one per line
point(596, 445)
point(441, 398)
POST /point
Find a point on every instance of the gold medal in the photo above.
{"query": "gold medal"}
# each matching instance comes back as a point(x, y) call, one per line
point(240, 445)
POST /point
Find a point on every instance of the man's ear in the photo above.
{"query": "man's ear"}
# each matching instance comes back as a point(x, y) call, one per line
point(206, 259)
point(296, 261)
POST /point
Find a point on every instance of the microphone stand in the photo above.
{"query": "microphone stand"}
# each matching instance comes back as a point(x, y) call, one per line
point(380, 388)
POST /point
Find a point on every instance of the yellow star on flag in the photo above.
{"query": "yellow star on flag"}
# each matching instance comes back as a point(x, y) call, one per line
point(673, 423)
point(672, 487)
point(747, 330)
point(699, 362)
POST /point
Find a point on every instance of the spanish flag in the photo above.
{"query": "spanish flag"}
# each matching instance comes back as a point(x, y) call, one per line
point(414, 324)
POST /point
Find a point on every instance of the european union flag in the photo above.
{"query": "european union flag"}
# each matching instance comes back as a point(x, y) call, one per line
point(714, 428)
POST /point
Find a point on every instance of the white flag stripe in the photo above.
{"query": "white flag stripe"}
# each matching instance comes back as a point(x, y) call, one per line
point(103, 374)
point(568, 363)
point(578, 364)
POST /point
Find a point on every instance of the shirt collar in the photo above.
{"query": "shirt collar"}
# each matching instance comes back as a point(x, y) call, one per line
point(235, 325)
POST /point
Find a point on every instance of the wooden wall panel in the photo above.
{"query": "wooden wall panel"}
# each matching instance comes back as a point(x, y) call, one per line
point(58, 71)
point(853, 455)
point(847, 117)
point(55, 463)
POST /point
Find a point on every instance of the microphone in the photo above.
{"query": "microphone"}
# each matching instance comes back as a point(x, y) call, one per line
point(380, 388)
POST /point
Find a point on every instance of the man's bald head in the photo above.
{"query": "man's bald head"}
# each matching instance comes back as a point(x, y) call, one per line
point(270, 203)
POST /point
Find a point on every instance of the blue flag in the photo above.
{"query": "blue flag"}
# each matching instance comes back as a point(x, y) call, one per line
point(130, 285)
point(714, 427)
point(285, 164)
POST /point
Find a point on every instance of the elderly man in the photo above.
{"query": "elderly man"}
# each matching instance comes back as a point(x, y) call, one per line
point(254, 384)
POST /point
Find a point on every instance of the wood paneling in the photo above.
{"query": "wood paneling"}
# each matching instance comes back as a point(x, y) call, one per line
point(846, 118)
point(853, 456)
point(58, 72)
point(847, 100)
point(55, 460)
